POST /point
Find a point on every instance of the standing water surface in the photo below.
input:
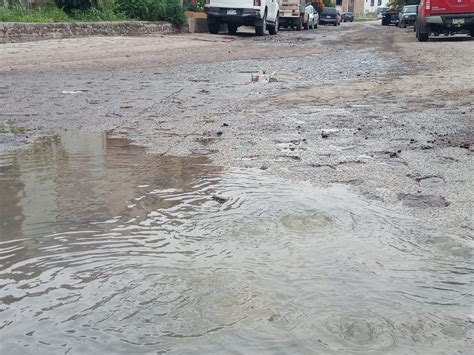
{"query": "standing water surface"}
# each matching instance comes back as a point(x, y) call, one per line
point(105, 249)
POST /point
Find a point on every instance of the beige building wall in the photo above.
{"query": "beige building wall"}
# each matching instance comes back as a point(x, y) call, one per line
point(355, 6)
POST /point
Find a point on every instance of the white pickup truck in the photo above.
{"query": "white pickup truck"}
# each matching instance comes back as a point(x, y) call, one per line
point(261, 14)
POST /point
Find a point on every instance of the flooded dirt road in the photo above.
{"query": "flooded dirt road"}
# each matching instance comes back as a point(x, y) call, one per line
point(306, 193)
point(110, 250)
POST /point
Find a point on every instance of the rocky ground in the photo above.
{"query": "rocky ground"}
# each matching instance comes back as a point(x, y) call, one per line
point(360, 104)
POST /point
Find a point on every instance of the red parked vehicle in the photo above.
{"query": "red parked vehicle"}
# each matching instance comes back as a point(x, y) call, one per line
point(446, 17)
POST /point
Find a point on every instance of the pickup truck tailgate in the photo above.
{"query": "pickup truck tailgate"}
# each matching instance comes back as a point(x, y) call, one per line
point(232, 4)
point(439, 7)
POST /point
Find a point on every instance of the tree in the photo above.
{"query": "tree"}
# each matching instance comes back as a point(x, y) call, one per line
point(319, 5)
point(398, 4)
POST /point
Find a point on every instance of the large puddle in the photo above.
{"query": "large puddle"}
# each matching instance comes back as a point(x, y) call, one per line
point(104, 249)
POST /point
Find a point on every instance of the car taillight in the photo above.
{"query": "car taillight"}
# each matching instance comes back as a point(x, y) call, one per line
point(427, 5)
point(257, 2)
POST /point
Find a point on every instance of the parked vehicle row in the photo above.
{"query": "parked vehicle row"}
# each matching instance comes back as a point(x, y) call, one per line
point(434, 17)
point(269, 15)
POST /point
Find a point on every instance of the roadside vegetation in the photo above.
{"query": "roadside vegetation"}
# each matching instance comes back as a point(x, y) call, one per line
point(87, 10)
point(398, 4)
point(10, 126)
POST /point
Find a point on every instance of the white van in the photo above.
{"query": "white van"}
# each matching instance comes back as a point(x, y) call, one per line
point(261, 14)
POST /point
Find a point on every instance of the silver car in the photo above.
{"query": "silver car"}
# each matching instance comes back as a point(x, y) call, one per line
point(311, 17)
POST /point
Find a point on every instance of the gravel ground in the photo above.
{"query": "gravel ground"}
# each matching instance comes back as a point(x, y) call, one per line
point(362, 105)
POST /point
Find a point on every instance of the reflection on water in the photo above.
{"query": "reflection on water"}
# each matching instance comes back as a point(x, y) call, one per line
point(104, 249)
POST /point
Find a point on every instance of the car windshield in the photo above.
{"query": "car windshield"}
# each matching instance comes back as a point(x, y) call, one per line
point(410, 9)
point(329, 11)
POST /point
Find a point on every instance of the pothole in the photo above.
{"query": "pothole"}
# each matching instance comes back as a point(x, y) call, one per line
point(430, 181)
point(423, 201)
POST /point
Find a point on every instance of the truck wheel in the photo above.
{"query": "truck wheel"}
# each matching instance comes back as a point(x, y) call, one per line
point(273, 28)
point(472, 31)
point(299, 24)
point(421, 32)
point(306, 25)
point(214, 27)
point(232, 29)
point(261, 26)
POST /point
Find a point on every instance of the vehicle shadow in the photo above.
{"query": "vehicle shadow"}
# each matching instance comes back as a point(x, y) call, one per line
point(443, 38)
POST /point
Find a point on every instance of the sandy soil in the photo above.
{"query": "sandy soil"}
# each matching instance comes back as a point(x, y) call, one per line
point(103, 53)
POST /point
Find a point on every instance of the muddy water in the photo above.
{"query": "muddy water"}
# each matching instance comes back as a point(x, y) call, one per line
point(104, 249)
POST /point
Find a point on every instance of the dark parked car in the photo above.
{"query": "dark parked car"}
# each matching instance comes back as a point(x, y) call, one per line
point(407, 16)
point(329, 15)
point(391, 17)
point(347, 16)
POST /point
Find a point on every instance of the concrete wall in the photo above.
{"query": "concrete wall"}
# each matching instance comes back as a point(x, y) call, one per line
point(197, 22)
point(26, 32)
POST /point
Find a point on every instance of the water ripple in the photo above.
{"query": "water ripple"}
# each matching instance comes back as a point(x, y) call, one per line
point(210, 261)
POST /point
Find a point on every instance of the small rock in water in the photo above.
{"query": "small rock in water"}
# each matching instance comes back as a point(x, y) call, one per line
point(218, 199)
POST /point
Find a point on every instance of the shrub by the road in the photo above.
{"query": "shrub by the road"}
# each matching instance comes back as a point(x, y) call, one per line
point(153, 10)
point(49, 14)
point(98, 10)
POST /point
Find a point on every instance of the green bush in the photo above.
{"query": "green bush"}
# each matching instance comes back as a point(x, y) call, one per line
point(48, 14)
point(96, 14)
point(99, 10)
point(329, 3)
point(153, 10)
point(196, 5)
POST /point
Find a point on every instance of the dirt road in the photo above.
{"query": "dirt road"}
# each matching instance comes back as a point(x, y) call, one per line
point(205, 244)
point(361, 104)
